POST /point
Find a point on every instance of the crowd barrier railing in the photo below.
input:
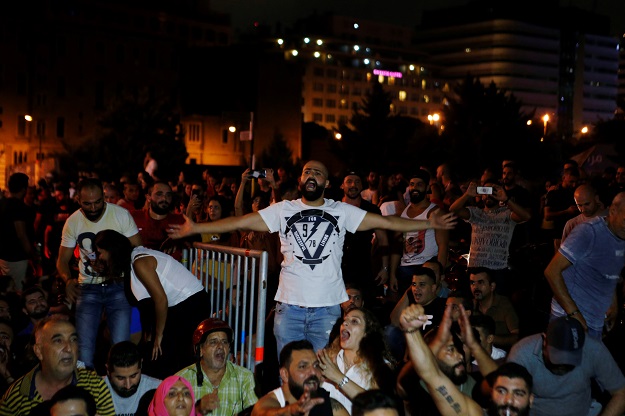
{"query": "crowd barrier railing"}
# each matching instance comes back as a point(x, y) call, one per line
point(236, 280)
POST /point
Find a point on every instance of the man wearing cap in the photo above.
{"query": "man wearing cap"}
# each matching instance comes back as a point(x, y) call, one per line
point(562, 362)
point(421, 245)
point(221, 387)
point(356, 265)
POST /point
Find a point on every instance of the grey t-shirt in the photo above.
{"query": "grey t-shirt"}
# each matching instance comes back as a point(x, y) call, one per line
point(127, 406)
point(567, 395)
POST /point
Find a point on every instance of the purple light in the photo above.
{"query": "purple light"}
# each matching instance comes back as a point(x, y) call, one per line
point(387, 73)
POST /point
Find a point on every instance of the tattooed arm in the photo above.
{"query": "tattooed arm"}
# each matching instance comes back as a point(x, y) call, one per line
point(446, 395)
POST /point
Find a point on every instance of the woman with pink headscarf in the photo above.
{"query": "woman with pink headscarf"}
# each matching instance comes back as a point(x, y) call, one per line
point(173, 397)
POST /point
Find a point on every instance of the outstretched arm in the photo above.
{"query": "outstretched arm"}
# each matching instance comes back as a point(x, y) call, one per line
point(393, 223)
point(252, 222)
point(448, 399)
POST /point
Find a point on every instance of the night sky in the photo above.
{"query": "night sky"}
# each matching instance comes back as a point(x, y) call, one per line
point(402, 12)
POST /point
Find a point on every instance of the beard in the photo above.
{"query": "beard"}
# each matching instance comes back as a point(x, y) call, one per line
point(93, 215)
point(161, 209)
point(497, 410)
point(123, 392)
point(450, 371)
point(416, 197)
point(297, 390)
point(40, 313)
point(311, 195)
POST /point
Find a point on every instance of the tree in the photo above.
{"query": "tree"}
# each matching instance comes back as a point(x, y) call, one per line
point(485, 125)
point(277, 155)
point(380, 140)
point(131, 126)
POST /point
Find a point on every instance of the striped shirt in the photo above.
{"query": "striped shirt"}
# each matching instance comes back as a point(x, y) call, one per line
point(22, 396)
point(236, 389)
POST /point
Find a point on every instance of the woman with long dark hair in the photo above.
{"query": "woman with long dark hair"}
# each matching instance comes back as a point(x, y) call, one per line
point(172, 301)
point(358, 359)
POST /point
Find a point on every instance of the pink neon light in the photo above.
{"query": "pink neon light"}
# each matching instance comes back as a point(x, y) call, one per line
point(387, 73)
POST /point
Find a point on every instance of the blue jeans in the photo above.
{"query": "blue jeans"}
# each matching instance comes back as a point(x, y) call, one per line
point(91, 301)
point(294, 323)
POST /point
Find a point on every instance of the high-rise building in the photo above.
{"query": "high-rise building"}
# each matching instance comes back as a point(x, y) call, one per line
point(559, 61)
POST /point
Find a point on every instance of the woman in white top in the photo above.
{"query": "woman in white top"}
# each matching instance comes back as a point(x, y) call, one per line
point(357, 360)
point(172, 301)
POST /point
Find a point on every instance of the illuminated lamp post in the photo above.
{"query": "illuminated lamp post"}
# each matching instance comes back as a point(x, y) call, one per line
point(545, 121)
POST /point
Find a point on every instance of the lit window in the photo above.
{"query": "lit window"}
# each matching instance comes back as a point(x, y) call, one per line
point(402, 96)
point(380, 79)
point(391, 80)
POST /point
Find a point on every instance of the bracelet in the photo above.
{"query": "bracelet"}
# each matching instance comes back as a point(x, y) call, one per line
point(410, 331)
point(343, 382)
point(572, 314)
point(385, 268)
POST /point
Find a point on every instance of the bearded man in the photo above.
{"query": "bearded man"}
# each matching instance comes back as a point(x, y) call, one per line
point(153, 220)
point(419, 246)
point(301, 392)
point(93, 292)
point(312, 232)
point(127, 384)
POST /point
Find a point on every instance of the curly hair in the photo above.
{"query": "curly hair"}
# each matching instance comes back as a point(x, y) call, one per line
point(373, 351)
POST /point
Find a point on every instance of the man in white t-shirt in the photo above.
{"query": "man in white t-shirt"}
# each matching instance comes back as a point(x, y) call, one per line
point(92, 292)
point(312, 231)
point(125, 381)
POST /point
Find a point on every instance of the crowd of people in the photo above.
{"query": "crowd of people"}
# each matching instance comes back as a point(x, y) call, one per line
point(409, 292)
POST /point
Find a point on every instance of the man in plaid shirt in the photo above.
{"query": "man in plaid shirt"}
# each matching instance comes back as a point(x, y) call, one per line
point(220, 386)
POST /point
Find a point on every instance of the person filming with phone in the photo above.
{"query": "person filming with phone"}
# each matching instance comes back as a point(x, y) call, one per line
point(491, 228)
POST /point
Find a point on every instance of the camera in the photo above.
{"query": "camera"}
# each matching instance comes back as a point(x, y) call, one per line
point(262, 173)
point(484, 190)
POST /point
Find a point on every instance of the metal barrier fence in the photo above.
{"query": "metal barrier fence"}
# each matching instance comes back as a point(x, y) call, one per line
point(236, 280)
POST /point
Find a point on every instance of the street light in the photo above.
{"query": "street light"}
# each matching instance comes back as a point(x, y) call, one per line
point(433, 118)
point(584, 130)
point(545, 120)
point(232, 129)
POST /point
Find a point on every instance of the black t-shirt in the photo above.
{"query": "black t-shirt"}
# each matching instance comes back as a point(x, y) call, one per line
point(356, 262)
point(11, 211)
point(558, 200)
point(436, 308)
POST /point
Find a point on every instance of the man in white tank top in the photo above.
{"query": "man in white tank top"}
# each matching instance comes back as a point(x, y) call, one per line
point(418, 246)
point(300, 392)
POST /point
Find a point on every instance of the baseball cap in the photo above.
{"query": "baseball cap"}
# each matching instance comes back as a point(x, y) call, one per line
point(353, 173)
point(565, 341)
